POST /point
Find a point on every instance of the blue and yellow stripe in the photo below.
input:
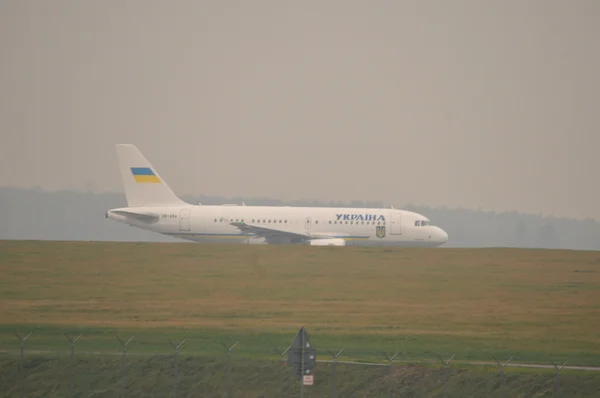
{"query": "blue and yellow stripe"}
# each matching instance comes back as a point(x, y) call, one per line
point(144, 174)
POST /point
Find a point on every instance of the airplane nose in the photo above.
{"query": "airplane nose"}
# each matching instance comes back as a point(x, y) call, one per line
point(442, 236)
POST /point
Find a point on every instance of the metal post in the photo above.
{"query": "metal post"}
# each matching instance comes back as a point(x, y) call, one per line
point(446, 363)
point(72, 341)
point(281, 354)
point(556, 379)
point(229, 367)
point(124, 345)
point(390, 369)
point(502, 366)
point(333, 381)
point(22, 342)
point(176, 371)
point(302, 367)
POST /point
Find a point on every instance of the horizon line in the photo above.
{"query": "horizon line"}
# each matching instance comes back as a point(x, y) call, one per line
point(255, 198)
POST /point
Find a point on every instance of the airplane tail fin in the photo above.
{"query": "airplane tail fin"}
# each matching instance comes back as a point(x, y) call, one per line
point(142, 183)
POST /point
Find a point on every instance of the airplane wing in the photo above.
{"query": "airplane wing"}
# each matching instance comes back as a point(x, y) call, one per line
point(267, 233)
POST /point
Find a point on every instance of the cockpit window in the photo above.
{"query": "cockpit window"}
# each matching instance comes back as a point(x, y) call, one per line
point(418, 223)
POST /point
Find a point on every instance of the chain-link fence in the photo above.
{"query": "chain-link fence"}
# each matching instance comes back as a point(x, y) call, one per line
point(129, 372)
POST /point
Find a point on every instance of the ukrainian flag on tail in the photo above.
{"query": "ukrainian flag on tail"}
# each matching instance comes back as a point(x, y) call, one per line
point(144, 174)
point(142, 183)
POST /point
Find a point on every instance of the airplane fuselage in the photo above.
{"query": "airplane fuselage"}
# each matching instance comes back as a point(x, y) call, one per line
point(328, 225)
point(153, 206)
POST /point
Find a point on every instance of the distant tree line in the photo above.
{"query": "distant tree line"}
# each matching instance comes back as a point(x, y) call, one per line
point(70, 215)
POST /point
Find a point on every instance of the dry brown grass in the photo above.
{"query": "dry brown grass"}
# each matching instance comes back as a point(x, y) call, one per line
point(520, 295)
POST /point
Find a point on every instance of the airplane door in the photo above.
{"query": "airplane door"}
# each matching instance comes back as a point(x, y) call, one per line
point(396, 224)
point(184, 220)
point(307, 223)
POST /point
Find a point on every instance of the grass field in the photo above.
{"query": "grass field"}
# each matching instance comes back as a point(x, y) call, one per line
point(205, 377)
point(532, 305)
point(528, 302)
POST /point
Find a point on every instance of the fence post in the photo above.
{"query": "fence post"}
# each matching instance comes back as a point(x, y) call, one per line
point(502, 366)
point(556, 379)
point(229, 367)
point(281, 361)
point(22, 343)
point(72, 341)
point(124, 345)
point(446, 363)
point(390, 369)
point(176, 371)
point(333, 381)
point(302, 365)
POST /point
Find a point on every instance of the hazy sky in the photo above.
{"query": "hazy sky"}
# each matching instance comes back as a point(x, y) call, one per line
point(459, 103)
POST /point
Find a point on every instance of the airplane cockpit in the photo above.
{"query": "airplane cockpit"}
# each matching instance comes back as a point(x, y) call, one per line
point(426, 230)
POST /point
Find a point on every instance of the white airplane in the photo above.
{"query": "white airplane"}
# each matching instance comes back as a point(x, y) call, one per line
point(152, 206)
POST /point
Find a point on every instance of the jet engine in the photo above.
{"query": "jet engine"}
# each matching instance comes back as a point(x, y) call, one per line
point(257, 241)
point(327, 242)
